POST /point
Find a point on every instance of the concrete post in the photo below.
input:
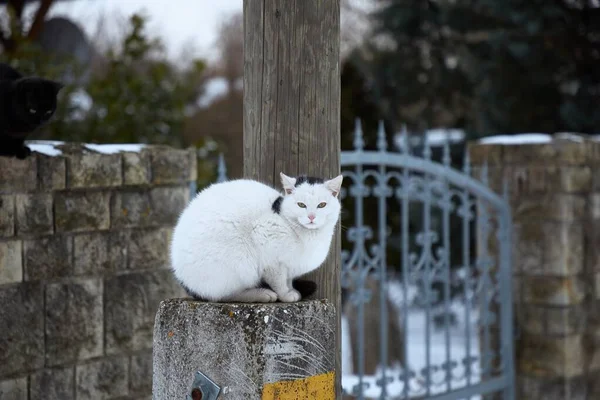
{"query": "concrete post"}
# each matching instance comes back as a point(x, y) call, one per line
point(556, 224)
point(270, 351)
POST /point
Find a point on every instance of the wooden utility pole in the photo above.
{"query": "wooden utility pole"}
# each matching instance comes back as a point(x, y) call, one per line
point(292, 104)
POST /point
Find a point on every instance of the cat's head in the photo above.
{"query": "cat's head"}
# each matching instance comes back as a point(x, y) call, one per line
point(311, 202)
point(34, 99)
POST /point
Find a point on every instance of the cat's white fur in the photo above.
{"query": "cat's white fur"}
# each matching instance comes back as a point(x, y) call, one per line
point(229, 238)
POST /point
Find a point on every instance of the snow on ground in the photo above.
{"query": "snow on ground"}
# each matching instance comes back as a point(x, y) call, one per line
point(460, 335)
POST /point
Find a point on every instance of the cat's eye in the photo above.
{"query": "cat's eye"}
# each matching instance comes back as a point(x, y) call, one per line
point(321, 205)
point(301, 205)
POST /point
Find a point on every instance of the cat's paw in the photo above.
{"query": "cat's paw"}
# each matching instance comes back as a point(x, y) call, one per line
point(290, 297)
point(266, 296)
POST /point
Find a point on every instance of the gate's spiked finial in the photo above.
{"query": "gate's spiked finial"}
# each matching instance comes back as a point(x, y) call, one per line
point(381, 141)
point(221, 169)
point(484, 173)
point(359, 143)
point(467, 163)
point(404, 143)
point(427, 148)
point(446, 158)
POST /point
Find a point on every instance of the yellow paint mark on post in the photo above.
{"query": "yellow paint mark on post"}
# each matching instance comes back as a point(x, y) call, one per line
point(318, 387)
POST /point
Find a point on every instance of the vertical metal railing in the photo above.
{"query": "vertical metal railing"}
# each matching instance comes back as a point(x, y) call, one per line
point(381, 194)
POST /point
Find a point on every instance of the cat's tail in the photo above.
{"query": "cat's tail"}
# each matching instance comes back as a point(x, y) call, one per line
point(305, 287)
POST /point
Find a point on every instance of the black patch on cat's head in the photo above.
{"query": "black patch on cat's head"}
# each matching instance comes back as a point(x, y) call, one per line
point(311, 180)
point(276, 207)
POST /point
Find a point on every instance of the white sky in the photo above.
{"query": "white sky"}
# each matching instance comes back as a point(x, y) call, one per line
point(191, 21)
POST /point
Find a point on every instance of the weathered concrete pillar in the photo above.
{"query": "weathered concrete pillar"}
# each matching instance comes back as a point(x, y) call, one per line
point(555, 203)
point(271, 351)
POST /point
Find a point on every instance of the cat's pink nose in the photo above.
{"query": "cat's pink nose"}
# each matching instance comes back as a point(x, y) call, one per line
point(311, 217)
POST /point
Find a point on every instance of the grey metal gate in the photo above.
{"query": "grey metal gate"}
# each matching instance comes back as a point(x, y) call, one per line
point(427, 277)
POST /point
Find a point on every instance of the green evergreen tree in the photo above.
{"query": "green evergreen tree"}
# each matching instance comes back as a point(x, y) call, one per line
point(489, 66)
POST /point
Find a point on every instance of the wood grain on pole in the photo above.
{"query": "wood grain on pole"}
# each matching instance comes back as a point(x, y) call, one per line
point(292, 103)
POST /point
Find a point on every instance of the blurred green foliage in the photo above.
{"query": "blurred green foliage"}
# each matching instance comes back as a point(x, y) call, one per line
point(131, 94)
point(487, 66)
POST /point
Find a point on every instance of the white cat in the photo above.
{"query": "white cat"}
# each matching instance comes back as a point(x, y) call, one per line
point(235, 236)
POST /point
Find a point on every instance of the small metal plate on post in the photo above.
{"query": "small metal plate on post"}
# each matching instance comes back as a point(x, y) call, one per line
point(203, 388)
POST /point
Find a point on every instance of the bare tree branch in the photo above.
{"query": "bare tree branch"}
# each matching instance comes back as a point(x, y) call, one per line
point(38, 21)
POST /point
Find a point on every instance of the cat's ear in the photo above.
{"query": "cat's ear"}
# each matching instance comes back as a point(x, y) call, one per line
point(287, 182)
point(57, 86)
point(334, 185)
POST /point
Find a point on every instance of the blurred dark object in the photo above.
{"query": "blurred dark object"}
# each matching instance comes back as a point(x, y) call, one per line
point(15, 8)
point(26, 103)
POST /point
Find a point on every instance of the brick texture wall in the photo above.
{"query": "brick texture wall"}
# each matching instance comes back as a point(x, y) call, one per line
point(555, 200)
point(83, 266)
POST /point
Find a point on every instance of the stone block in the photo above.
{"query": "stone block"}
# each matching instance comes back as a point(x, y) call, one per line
point(593, 387)
point(528, 247)
point(53, 384)
point(143, 208)
point(170, 165)
point(131, 208)
point(99, 253)
point(131, 301)
point(81, 211)
point(553, 321)
point(525, 180)
point(74, 316)
point(551, 357)
point(263, 343)
point(34, 214)
point(597, 285)
point(94, 170)
point(7, 215)
point(47, 258)
point(22, 319)
point(552, 207)
point(136, 168)
point(192, 154)
point(52, 174)
point(479, 154)
point(18, 175)
point(569, 179)
point(14, 389)
point(11, 262)
point(594, 206)
point(596, 178)
point(552, 389)
point(593, 307)
point(558, 152)
point(140, 375)
point(170, 203)
point(102, 379)
point(148, 248)
point(563, 249)
point(553, 291)
point(593, 352)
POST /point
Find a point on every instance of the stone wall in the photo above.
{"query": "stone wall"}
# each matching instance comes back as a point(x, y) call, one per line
point(555, 200)
point(83, 267)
